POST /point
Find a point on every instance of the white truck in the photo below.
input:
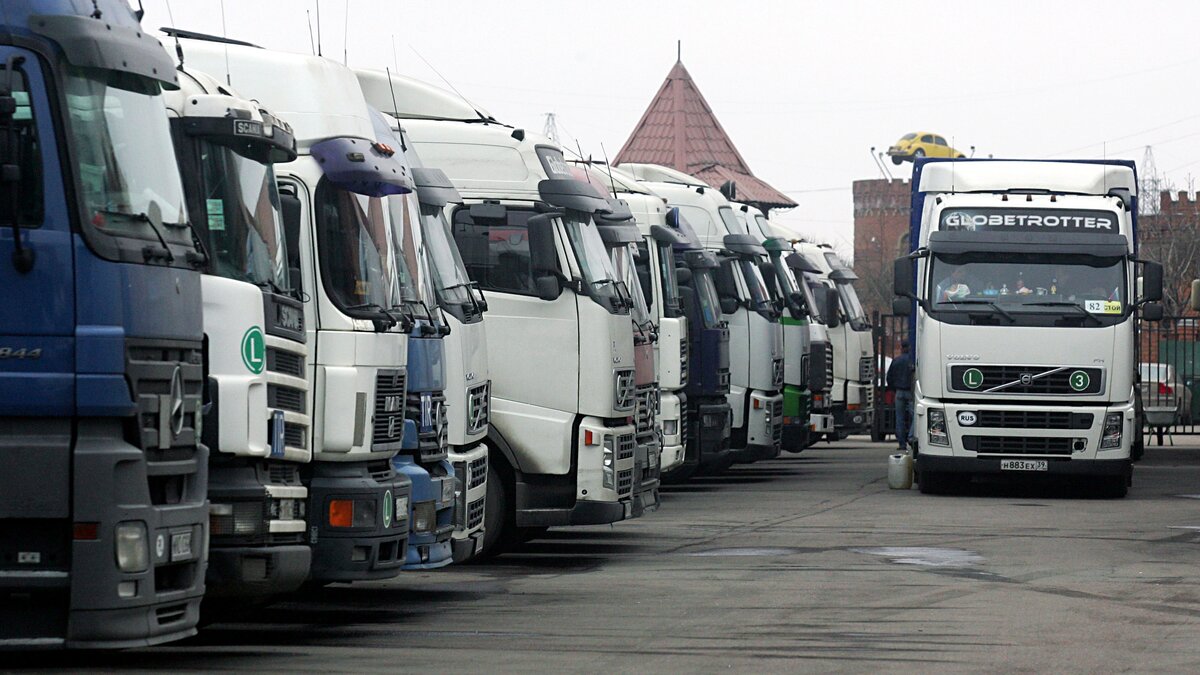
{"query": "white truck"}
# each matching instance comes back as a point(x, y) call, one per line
point(340, 237)
point(755, 334)
point(852, 340)
point(1026, 293)
point(559, 340)
point(256, 419)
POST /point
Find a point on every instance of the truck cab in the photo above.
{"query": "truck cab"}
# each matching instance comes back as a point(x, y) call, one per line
point(851, 338)
point(756, 336)
point(103, 475)
point(256, 421)
point(337, 222)
point(1026, 293)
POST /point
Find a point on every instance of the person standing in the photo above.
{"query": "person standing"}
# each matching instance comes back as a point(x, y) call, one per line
point(900, 380)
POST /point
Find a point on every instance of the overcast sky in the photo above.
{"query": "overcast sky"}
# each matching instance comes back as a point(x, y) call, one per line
point(803, 88)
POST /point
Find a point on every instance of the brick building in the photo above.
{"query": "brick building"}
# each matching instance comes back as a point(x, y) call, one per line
point(881, 209)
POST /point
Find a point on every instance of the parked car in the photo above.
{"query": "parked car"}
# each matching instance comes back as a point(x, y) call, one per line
point(921, 144)
point(1165, 396)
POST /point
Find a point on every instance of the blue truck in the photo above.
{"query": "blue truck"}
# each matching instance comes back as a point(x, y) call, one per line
point(103, 477)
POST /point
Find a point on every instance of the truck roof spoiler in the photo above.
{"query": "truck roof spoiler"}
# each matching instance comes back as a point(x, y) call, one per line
point(799, 262)
point(1105, 244)
point(576, 195)
point(843, 274)
point(618, 212)
point(666, 235)
point(93, 43)
point(743, 244)
point(434, 187)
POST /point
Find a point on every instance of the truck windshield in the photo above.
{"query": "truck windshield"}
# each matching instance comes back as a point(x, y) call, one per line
point(599, 278)
point(706, 294)
point(851, 306)
point(623, 265)
point(454, 288)
point(416, 281)
point(1090, 288)
point(732, 224)
point(244, 233)
point(787, 283)
point(811, 283)
point(125, 158)
point(355, 245)
point(758, 289)
point(669, 281)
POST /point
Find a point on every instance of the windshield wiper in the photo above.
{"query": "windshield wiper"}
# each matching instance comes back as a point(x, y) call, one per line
point(998, 309)
point(375, 307)
point(142, 217)
point(1060, 303)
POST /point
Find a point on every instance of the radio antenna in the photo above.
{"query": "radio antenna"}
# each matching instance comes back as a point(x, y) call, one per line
point(225, 34)
point(608, 166)
point(346, 36)
point(586, 160)
point(178, 47)
point(395, 109)
point(443, 77)
point(318, 27)
point(311, 43)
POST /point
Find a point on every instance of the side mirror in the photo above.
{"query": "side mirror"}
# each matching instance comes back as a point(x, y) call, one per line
point(543, 256)
point(729, 305)
point(1152, 282)
point(1152, 311)
point(295, 280)
point(1195, 301)
point(683, 275)
point(901, 306)
point(797, 300)
point(548, 287)
point(831, 308)
point(903, 270)
point(290, 207)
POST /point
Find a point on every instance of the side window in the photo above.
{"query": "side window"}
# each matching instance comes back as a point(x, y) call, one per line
point(726, 285)
point(642, 265)
point(19, 145)
point(939, 140)
point(927, 138)
point(496, 252)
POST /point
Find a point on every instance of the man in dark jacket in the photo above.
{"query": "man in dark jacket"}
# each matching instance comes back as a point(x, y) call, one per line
point(900, 380)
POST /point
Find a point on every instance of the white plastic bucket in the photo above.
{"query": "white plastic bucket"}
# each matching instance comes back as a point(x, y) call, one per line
point(900, 471)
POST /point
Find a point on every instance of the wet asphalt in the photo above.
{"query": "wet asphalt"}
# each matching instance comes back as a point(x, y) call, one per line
point(804, 563)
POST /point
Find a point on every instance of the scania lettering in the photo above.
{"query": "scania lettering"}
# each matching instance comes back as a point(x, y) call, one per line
point(103, 478)
point(339, 235)
point(1026, 300)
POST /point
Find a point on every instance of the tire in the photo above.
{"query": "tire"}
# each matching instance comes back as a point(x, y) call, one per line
point(897, 160)
point(499, 520)
point(918, 153)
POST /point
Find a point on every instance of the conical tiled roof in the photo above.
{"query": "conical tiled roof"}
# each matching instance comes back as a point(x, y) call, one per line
point(679, 130)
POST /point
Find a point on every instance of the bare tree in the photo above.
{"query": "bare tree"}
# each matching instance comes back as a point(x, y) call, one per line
point(1169, 232)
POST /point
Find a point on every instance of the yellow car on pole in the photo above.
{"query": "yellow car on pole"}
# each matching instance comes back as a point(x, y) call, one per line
point(921, 144)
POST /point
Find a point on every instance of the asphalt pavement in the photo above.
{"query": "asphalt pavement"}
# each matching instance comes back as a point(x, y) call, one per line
point(804, 563)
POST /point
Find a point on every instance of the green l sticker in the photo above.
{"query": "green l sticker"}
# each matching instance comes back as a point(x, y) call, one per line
point(388, 506)
point(972, 378)
point(254, 350)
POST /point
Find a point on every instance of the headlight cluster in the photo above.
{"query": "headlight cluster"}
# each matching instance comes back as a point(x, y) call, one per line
point(237, 519)
point(353, 513)
point(1114, 423)
point(938, 434)
point(133, 547)
point(670, 427)
point(424, 517)
point(609, 465)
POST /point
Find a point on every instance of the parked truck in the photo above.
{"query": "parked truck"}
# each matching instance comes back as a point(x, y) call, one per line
point(559, 340)
point(342, 250)
point(1025, 292)
point(103, 478)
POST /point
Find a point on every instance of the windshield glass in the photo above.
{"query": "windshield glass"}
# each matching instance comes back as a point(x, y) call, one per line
point(244, 222)
point(450, 274)
point(754, 282)
point(850, 304)
point(787, 284)
point(416, 290)
point(732, 224)
point(623, 265)
point(1033, 283)
point(706, 296)
point(598, 275)
point(358, 268)
point(812, 283)
point(126, 160)
point(764, 226)
point(669, 281)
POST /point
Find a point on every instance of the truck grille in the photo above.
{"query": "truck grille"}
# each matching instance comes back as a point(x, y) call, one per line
point(777, 374)
point(295, 436)
point(279, 473)
point(625, 482)
point(626, 444)
point(777, 421)
point(866, 366)
point(804, 369)
point(166, 378)
point(285, 398)
point(644, 417)
point(1018, 445)
point(623, 393)
point(1007, 380)
point(381, 472)
point(479, 404)
point(428, 411)
point(828, 369)
point(387, 426)
point(285, 363)
point(683, 363)
point(475, 513)
point(1034, 419)
point(477, 473)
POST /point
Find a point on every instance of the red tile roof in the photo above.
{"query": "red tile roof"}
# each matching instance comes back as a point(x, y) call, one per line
point(679, 130)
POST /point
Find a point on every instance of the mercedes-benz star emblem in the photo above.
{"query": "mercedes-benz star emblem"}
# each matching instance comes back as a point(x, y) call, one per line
point(176, 400)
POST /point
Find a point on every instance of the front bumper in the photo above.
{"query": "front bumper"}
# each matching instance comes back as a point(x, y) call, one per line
point(671, 418)
point(257, 571)
point(986, 466)
point(712, 425)
point(645, 492)
point(764, 426)
point(356, 553)
point(471, 479)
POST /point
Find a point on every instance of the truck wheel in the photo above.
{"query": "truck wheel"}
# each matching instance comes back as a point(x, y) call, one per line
point(499, 520)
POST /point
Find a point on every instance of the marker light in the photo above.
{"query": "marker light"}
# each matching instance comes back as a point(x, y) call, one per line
point(341, 513)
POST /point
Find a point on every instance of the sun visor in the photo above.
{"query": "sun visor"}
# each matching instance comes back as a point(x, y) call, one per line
point(434, 187)
point(567, 193)
point(676, 220)
point(618, 212)
point(800, 263)
point(1107, 245)
point(94, 43)
point(666, 235)
point(701, 259)
point(617, 234)
point(743, 244)
point(361, 166)
point(843, 275)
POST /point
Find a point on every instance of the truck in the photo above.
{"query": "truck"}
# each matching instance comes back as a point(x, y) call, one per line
point(756, 336)
point(103, 475)
point(850, 335)
point(462, 306)
point(1024, 291)
point(344, 259)
point(255, 420)
point(561, 437)
point(806, 387)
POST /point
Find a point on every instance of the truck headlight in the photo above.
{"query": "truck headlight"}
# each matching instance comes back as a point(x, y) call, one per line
point(670, 427)
point(424, 517)
point(352, 513)
point(133, 549)
point(937, 427)
point(608, 463)
point(1114, 424)
point(447, 491)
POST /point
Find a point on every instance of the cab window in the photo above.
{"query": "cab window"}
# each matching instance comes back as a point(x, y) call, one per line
point(496, 251)
point(21, 147)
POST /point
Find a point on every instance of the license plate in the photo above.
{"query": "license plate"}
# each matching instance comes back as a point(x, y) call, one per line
point(181, 546)
point(1024, 465)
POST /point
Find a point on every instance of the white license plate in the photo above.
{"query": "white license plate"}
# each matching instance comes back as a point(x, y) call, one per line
point(1024, 465)
point(181, 546)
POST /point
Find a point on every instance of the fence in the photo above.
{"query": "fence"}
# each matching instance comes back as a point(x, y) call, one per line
point(1168, 373)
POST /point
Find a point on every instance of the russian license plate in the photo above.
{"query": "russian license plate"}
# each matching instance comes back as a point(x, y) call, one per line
point(181, 546)
point(1024, 465)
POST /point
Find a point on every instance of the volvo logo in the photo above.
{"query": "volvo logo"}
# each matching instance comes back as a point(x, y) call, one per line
point(392, 403)
point(176, 402)
point(1026, 379)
